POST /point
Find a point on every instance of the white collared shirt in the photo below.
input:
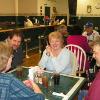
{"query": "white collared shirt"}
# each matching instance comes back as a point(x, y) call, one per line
point(92, 36)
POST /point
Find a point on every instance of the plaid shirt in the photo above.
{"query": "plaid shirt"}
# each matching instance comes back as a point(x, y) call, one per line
point(13, 89)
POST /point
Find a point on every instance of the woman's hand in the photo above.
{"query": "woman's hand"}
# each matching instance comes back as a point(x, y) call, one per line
point(51, 51)
point(48, 50)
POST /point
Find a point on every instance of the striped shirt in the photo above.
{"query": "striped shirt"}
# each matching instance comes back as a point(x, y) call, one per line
point(13, 89)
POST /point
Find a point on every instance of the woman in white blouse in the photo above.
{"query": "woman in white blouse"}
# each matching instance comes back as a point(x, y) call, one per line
point(56, 57)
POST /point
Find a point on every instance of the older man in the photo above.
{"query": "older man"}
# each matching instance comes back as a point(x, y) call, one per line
point(90, 33)
point(63, 30)
point(94, 90)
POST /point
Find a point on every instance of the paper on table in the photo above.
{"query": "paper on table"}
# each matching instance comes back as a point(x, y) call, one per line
point(32, 71)
point(60, 94)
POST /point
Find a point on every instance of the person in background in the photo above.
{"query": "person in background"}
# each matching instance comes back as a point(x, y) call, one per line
point(90, 33)
point(14, 40)
point(94, 90)
point(56, 57)
point(28, 22)
point(76, 38)
point(10, 87)
point(63, 30)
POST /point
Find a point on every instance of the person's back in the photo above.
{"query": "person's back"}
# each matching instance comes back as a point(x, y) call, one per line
point(77, 39)
point(80, 41)
point(13, 89)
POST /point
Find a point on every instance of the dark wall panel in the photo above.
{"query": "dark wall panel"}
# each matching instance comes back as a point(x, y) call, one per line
point(72, 7)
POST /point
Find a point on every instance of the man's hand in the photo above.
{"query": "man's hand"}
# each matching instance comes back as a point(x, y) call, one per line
point(32, 85)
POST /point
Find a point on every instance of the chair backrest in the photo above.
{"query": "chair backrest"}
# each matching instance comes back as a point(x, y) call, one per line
point(74, 64)
point(80, 56)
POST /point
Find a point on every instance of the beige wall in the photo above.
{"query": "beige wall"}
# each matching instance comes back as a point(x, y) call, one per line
point(18, 7)
point(61, 7)
point(31, 7)
point(44, 3)
point(27, 7)
point(7, 7)
point(82, 7)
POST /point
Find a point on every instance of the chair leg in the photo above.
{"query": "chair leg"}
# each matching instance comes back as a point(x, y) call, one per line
point(26, 55)
point(39, 44)
point(40, 51)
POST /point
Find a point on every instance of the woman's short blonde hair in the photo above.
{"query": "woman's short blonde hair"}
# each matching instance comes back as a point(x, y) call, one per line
point(5, 53)
point(56, 35)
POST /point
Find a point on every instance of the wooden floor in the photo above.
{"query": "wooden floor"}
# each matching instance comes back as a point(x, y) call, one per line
point(33, 59)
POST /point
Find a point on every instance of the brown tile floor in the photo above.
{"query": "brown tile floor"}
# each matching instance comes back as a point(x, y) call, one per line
point(32, 60)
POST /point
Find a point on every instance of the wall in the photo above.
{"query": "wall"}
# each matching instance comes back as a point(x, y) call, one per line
point(7, 7)
point(27, 7)
point(44, 3)
point(61, 7)
point(82, 8)
point(31, 7)
point(18, 7)
point(61, 10)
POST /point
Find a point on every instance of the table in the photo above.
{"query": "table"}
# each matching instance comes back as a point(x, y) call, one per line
point(69, 85)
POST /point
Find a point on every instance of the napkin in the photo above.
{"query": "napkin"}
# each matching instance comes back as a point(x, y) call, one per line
point(65, 97)
point(32, 72)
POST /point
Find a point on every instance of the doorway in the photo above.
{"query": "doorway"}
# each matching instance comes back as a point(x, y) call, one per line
point(47, 11)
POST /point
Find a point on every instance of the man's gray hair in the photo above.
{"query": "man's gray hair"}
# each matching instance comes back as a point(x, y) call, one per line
point(97, 40)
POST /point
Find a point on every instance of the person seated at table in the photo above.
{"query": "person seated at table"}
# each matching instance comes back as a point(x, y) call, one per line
point(10, 87)
point(94, 90)
point(28, 22)
point(90, 33)
point(63, 30)
point(14, 40)
point(77, 39)
point(56, 57)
